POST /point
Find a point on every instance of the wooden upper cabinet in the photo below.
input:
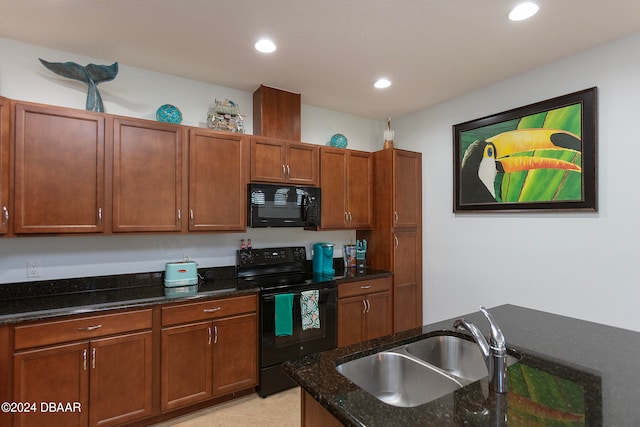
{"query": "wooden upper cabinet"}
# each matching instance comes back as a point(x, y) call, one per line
point(346, 188)
point(147, 176)
point(333, 182)
point(279, 161)
point(276, 113)
point(59, 170)
point(360, 189)
point(407, 191)
point(5, 121)
point(217, 181)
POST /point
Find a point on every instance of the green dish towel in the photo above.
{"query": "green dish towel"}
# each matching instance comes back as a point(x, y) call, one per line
point(284, 314)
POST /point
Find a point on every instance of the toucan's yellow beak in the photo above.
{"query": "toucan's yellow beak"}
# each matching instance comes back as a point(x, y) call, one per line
point(509, 144)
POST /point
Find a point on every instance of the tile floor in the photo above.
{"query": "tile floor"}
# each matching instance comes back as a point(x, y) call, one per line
point(280, 409)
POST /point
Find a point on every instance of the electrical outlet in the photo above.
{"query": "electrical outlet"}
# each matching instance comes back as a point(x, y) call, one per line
point(33, 268)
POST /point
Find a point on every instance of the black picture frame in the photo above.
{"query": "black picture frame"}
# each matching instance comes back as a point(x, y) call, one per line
point(540, 157)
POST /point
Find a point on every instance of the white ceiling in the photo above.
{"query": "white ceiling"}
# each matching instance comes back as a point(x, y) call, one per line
point(330, 51)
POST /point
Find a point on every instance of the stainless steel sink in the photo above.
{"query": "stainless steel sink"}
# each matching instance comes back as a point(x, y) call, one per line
point(456, 356)
point(397, 379)
point(417, 373)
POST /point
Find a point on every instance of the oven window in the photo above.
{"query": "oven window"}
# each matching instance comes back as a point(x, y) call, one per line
point(300, 342)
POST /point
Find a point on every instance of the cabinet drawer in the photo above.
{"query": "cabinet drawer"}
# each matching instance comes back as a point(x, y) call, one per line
point(40, 334)
point(208, 310)
point(363, 287)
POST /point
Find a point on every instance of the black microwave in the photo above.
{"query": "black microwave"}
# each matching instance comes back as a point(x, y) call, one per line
point(272, 205)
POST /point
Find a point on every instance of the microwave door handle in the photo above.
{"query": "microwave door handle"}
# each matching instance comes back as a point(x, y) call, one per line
point(305, 207)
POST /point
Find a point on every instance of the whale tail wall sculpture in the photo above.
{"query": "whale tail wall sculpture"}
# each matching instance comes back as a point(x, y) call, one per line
point(92, 75)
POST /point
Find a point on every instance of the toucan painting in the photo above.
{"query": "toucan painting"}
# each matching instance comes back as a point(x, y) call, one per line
point(536, 158)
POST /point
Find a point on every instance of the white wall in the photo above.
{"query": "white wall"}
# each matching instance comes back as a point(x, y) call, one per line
point(584, 265)
point(138, 93)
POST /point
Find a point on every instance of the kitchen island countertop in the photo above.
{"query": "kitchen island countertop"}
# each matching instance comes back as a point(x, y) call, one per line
point(572, 372)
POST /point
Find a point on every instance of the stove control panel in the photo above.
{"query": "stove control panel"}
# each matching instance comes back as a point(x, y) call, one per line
point(271, 256)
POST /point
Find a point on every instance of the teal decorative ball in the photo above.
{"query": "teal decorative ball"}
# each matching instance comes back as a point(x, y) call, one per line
point(169, 114)
point(338, 140)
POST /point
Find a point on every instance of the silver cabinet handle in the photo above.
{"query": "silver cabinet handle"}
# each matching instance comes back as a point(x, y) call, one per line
point(209, 332)
point(395, 239)
point(395, 216)
point(90, 328)
point(364, 306)
point(179, 215)
point(84, 359)
point(5, 211)
point(346, 216)
point(99, 216)
point(365, 287)
point(93, 358)
point(191, 214)
point(288, 172)
point(215, 334)
point(212, 310)
point(284, 171)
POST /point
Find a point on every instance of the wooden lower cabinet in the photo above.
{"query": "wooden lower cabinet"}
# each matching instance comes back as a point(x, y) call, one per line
point(186, 365)
point(235, 354)
point(208, 359)
point(315, 415)
point(105, 382)
point(364, 310)
point(52, 374)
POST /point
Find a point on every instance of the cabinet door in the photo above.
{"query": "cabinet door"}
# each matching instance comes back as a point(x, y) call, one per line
point(120, 386)
point(407, 290)
point(351, 328)
point(267, 160)
point(59, 170)
point(147, 176)
point(57, 374)
point(407, 188)
point(186, 365)
point(333, 176)
point(360, 192)
point(217, 182)
point(302, 164)
point(5, 111)
point(379, 315)
point(235, 354)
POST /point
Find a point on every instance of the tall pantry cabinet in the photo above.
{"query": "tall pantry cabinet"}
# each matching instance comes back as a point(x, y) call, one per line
point(395, 243)
point(5, 120)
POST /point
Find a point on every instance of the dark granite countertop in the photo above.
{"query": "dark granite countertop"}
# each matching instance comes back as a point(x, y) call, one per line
point(26, 301)
point(41, 300)
point(571, 373)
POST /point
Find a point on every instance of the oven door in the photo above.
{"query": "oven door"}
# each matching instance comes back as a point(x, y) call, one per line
point(276, 349)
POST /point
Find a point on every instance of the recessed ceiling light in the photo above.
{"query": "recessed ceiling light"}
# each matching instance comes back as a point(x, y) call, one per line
point(523, 11)
point(265, 46)
point(382, 83)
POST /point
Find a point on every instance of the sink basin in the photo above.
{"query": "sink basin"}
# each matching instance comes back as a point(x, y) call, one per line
point(454, 355)
point(397, 379)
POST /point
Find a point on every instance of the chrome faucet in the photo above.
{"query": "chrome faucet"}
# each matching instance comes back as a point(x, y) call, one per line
point(494, 352)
